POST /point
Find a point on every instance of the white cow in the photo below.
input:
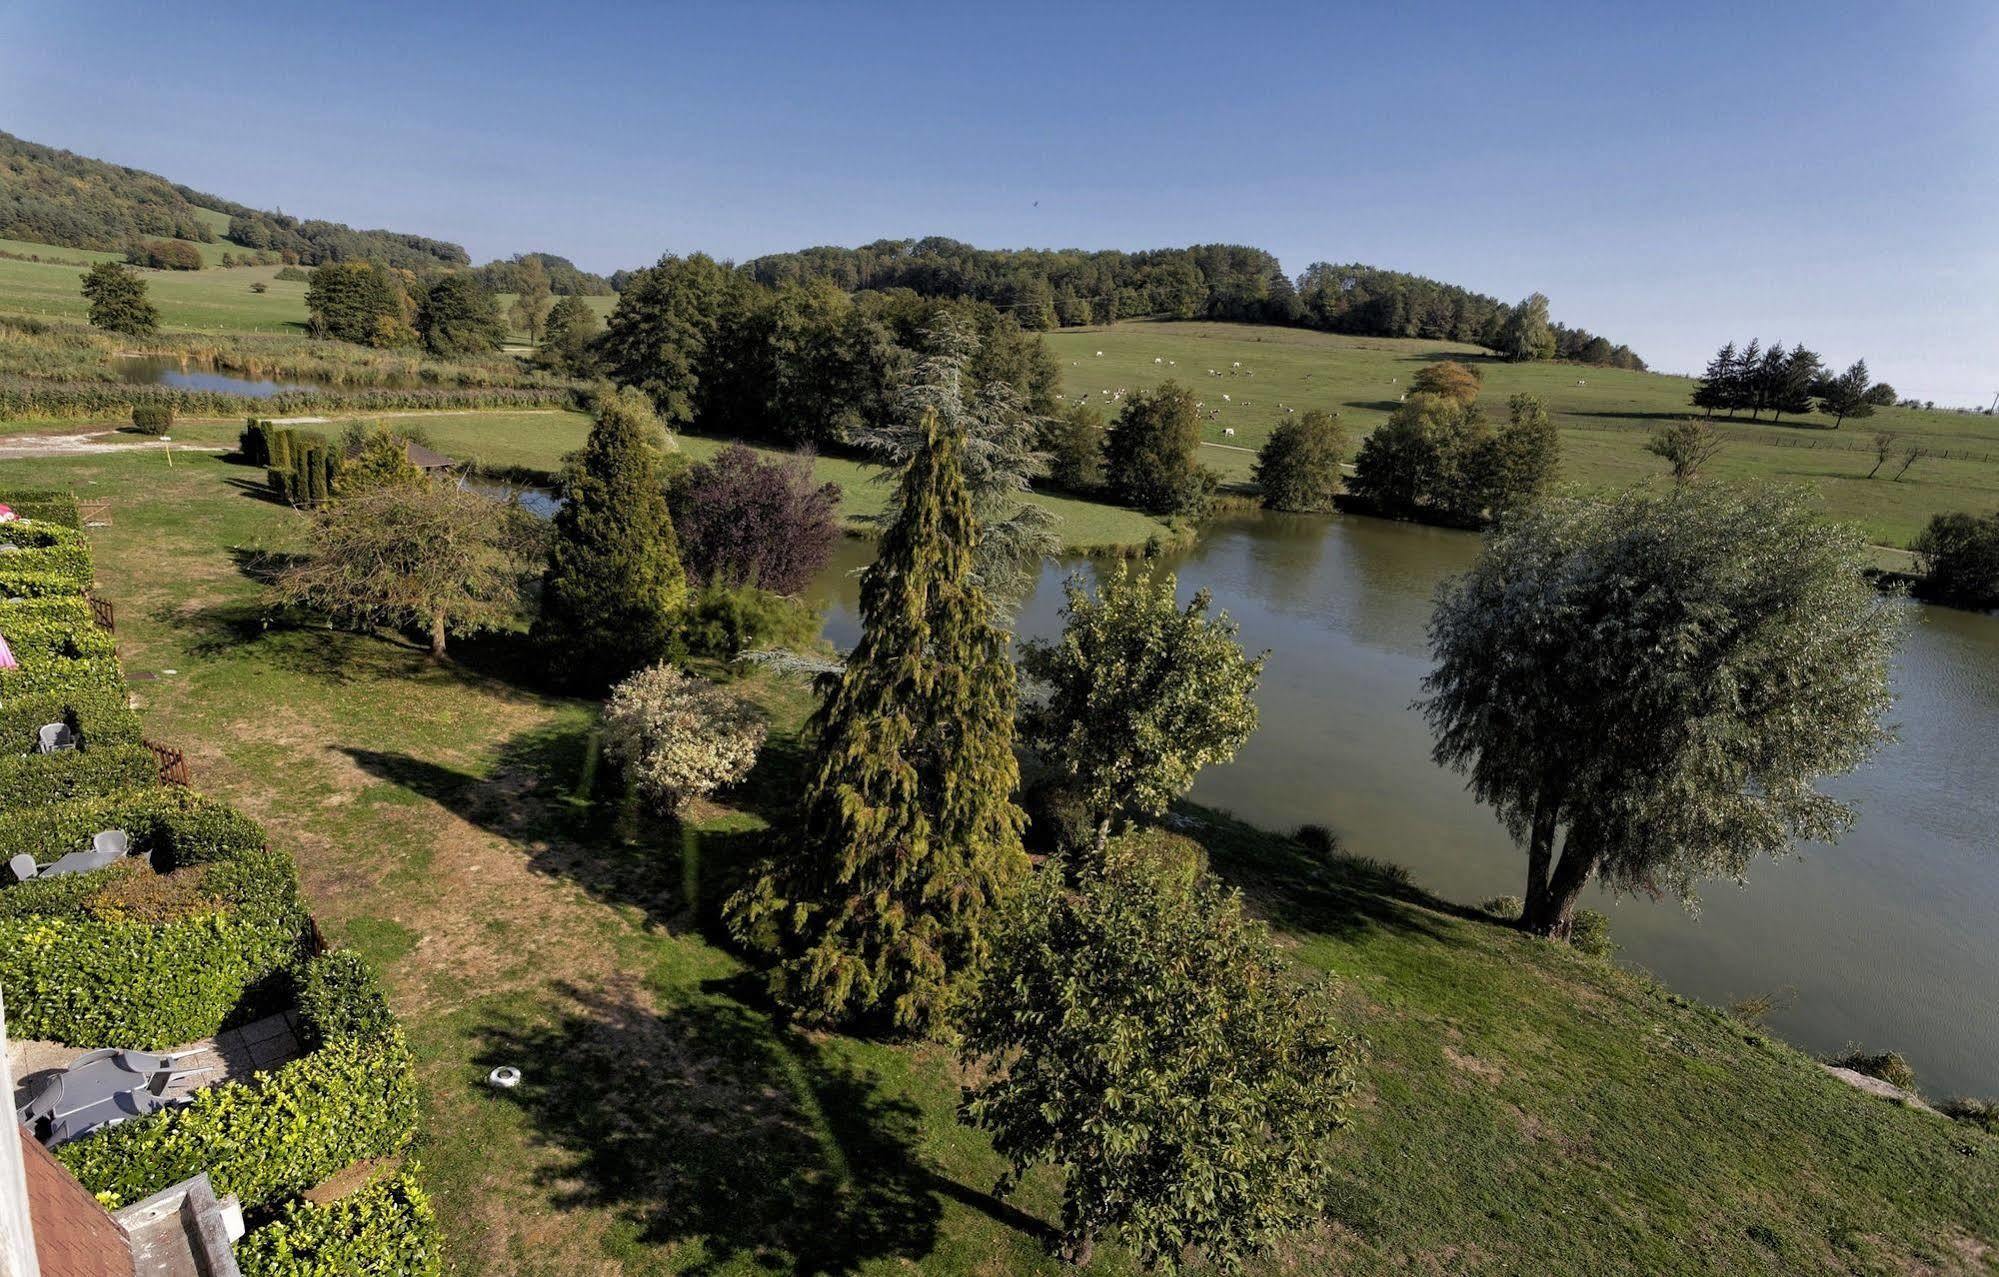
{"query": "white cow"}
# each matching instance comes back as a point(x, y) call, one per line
point(1225, 398)
point(1100, 354)
point(1228, 432)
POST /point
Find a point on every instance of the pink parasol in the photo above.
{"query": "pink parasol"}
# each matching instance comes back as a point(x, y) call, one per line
point(7, 661)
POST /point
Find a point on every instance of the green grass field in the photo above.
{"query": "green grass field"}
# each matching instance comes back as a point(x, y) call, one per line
point(1605, 414)
point(211, 301)
point(1524, 1110)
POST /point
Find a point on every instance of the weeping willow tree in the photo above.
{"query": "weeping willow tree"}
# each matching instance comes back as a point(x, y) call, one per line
point(908, 832)
point(998, 433)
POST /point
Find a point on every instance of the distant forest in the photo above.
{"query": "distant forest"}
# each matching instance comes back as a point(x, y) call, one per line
point(1067, 287)
point(565, 278)
point(57, 197)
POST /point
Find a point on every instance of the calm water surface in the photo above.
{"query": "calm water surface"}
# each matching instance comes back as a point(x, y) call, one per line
point(165, 370)
point(1890, 938)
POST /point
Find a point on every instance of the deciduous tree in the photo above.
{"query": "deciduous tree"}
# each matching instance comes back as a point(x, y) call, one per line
point(745, 521)
point(1685, 446)
point(679, 737)
point(1647, 688)
point(1142, 1035)
point(117, 298)
point(1149, 455)
point(457, 317)
point(1141, 694)
point(1298, 467)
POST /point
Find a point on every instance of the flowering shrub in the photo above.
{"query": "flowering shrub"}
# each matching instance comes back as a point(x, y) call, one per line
point(678, 736)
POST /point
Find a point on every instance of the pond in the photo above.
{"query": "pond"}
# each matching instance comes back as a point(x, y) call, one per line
point(1886, 938)
point(188, 374)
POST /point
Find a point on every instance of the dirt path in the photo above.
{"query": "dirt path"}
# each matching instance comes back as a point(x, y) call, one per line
point(87, 443)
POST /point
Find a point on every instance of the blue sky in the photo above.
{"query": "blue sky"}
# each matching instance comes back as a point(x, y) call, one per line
point(1823, 173)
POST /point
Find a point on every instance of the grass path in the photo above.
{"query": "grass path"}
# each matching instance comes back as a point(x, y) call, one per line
point(1526, 1110)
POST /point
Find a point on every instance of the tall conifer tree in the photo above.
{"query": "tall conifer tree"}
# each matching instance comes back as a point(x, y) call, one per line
point(614, 578)
point(908, 829)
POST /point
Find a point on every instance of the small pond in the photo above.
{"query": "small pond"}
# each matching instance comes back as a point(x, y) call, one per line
point(167, 370)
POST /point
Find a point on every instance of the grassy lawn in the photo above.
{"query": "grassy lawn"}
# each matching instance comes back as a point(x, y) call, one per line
point(1525, 1110)
point(1605, 414)
point(211, 301)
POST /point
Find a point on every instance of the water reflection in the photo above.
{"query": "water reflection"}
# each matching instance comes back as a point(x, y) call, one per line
point(1885, 938)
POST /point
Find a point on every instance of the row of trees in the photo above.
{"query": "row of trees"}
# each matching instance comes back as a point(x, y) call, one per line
point(1772, 379)
point(563, 277)
point(374, 305)
point(1045, 289)
point(1439, 459)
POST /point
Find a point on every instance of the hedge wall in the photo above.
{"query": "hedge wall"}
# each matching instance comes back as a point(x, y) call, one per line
point(51, 629)
point(47, 505)
point(266, 1140)
point(384, 1230)
point(51, 778)
point(99, 715)
point(171, 823)
point(46, 547)
point(56, 674)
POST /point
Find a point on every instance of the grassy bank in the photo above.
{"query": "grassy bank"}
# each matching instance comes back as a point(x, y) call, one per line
point(1605, 414)
point(1525, 1110)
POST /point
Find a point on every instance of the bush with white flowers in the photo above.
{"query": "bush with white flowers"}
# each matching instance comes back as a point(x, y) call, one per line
point(680, 737)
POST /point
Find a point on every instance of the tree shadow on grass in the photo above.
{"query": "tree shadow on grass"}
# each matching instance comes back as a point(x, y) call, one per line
point(707, 1127)
point(1330, 892)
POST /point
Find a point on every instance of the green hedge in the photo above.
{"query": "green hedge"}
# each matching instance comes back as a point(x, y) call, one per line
point(99, 715)
point(48, 505)
point(35, 779)
point(152, 418)
point(384, 1230)
point(49, 629)
point(340, 998)
point(56, 674)
point(24, 581)
point(46, 547)
point(171, 823)
point(91, 982)
point(266, 1140)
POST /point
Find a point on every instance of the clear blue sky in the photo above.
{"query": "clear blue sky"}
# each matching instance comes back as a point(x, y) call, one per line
point(1823, 173)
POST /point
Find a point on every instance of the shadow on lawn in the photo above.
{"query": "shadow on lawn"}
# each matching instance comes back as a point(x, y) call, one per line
point(708, 1127)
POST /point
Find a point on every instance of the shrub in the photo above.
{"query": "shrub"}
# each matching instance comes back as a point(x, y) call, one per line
point(266, 1140)
point(152, 418)
point(1504, 908)
point(293, 275)
point(59, 674)
point(678, 736)
point(53, 629)
point(1590, 934)
point(37, 779)
point(387, 1228)
point(340, 999)
point(98, 715)
point(1316, 838)
point(742, 520)
point(722, 622)
point(1889, 1066)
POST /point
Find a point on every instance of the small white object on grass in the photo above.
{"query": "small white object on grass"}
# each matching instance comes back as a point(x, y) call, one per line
point(504, 1078)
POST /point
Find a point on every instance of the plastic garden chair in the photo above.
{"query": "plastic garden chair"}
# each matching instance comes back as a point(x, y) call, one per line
point(56, 736)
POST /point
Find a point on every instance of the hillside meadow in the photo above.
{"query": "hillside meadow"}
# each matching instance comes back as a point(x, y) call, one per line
point(1605, 415)
point(1524, 1109)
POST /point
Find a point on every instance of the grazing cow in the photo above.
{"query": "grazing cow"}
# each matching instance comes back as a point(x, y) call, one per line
point(1225, 398)
point(1228, 432)
point(1581, 382)
point(1100, 354)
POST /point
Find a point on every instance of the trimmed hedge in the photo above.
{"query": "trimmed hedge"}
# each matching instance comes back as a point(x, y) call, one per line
point(59, 675)
point(51, 629)
point(90, 982)
point(99, 715)
point(267, 1140)
point(46, 547)
point(47, 505)
point(175, 825)
point(384, 1230)
point(152, 418)
point(340, 998)
point(36, 779)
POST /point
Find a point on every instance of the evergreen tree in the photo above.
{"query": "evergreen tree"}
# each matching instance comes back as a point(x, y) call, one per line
point(118, 302)
point(614, 578)
point(1847, 395)
point(908, 832)
point(1798, 382)
point(1717, 383)
point(1742, 386)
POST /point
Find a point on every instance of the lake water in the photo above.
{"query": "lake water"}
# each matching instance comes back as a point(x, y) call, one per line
point(1890, 938)
point(165, 370)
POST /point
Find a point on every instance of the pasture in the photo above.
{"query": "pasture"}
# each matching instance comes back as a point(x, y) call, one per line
point(215, 300)
point(1605, 414)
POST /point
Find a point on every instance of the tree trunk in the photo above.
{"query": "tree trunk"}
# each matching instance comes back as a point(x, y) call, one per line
point(1078, 1248)
point(1558, 905)
point(1540, 853)
point(437, 636)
